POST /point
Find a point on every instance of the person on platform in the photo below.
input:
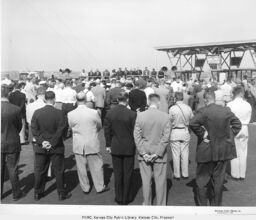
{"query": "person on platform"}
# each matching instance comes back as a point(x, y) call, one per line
point(48, 126)
point(215, 127)
point(151, 133)
point(11, 124)
point(119, 126)
point(242, 110)
point(86, 125)
point(180, 115)
point(18, 98)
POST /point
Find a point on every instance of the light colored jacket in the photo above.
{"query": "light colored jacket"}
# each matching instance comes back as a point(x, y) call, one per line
point(99, 94)
point(243, 112)
point(151, 133)
point(180, 115)
point(85, 124)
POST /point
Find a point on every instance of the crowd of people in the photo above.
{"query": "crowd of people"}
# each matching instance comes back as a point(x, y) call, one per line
point(144, 112)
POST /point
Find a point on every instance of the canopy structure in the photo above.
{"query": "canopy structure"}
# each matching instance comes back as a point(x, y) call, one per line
point(219, 55)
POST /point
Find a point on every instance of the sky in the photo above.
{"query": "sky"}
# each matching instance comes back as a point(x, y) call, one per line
point(89, 34)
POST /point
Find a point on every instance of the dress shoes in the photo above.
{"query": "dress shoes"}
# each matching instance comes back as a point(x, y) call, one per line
point(63, 196)
point(19, 196)
point(105, 189)
point(38, 196)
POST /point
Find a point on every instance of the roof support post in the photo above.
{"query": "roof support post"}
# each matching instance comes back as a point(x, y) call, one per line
point(253, 55)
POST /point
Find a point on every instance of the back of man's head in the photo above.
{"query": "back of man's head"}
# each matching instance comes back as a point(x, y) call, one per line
point(49, 96)
point(41, 91)
point(209, 95)
point(122, 97)
point(154, 99)
point(179, 96)
point(81, 97)
point(238, 91)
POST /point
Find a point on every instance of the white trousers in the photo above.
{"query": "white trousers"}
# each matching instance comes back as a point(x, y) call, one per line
point(22, 132)
point(180, 156)
point(95, 164)
point(238, 165)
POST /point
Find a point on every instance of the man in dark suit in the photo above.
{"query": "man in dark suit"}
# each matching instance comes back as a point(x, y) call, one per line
point(10, 142)
point(48, 126)
point(137, 97)
point(215, 127)
point(112, 94)
point(18, 98)
point(119, 125)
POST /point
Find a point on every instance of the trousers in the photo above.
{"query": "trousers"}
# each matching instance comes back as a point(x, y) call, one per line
point(23, 132)
point(159, 172)
point(210, 178)
point(180, 156)
point(95, 164)
point(123, 171)
point(10, 161)
point(41, 165)
point(238, 165)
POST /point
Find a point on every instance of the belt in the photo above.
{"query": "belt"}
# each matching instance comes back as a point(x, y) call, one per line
point(179, 128)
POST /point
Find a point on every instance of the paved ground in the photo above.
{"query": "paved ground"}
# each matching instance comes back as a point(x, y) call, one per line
point(179, 193)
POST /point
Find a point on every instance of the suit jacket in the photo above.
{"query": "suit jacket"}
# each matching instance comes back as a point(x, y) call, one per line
point(119, 126)
point(112, 95)
point(137, 100)
point(152, 133)
point(85, 124)
point(99, 94)
point(10, 127)
point(49, 124)
point(18, 98)
point(222, 125)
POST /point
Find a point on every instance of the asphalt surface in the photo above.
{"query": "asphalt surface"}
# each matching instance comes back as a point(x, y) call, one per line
point(180, 193)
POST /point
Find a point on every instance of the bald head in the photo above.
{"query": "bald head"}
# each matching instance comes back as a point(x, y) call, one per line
point(81, 98)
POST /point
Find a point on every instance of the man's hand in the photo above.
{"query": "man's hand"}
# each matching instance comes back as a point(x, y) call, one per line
point(206, 140)
point(146, 157)
point(153, 158)
point(108, 149)
point(46, 145)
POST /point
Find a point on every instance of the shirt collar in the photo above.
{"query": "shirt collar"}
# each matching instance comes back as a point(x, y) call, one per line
point(4, 99)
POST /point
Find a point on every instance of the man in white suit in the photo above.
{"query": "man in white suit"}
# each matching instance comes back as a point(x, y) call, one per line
point(86, 124)
point(242, 111)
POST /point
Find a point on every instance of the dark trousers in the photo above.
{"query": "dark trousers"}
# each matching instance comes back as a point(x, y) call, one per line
point(123, 170)
point(11, 162)
point(41, 165)
point(210, 178)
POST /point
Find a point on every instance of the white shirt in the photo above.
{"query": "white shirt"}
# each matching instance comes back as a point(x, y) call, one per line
point(177, 87)
point(242, 111)
point(227, 91)
point(89, 95)
point(69, 95)
point(6, 81)
point(30, 90)
point(148, 91)
point(219, 96)
point(32, 107)
point(59, 95)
